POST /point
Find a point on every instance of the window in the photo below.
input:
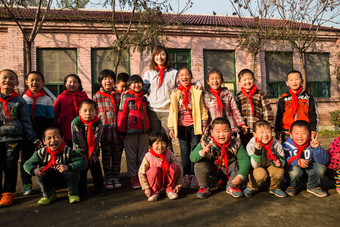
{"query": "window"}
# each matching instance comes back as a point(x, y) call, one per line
point(101, 59)
point(278, 64)
point(223, 61)
point(180, 58)
point(318, 74)
point(55, 64)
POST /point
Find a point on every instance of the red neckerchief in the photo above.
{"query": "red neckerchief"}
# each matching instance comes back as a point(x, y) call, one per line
point(165, 164)
point(53, 154)
point(120, 92)
point(298, 153)
point(269, 152)
point(184, 93)
point(251, 93)
point(224, 156)
point(160, 75)
point(218, 99)
point(139, 98)
point(111, 97)
point(67, 92)
point(34, 103)
point(90, 136)
point(4, 102)
point(295, 103)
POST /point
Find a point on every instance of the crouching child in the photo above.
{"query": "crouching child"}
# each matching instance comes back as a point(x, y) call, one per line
point(56, 166)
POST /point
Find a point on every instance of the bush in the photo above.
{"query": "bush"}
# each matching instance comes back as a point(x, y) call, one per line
point(335, 118)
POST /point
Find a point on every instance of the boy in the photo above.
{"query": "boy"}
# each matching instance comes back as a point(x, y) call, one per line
point(14, 124)
point(87, 131)
point(59, 166)
point(121, 83)
point(253, 103)
point(267, 159)
point(296, 104)
point(108, 100)
point(40, 108)
point(220, 154)
point(304, 155)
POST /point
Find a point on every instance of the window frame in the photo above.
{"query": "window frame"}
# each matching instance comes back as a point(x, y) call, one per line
point(178, 51)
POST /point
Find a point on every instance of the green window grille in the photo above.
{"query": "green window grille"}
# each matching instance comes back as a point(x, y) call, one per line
point(180, 58)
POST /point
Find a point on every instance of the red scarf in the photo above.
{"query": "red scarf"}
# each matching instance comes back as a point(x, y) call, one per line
point(165, 164)
point(74, 99)
point(251, 93)
point(160, 75)
point(53, 154)
point(269, 152)
point(298, 153)
point(120, 92)
point(90, 136)
point(218, 99)
point(184, 93)
point(224, 156)
point(139, 98)
point(111, 97)
point(34, 103)
point(4, 102)
point(295, 102)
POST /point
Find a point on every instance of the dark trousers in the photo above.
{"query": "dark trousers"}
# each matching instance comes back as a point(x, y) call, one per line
point(111, 158)
point(97, 176)
point(9, 155)
point(53, 179)
point(187, 142)
point(27, 151)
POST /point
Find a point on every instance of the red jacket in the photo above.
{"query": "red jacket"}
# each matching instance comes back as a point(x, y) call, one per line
point(64, 111)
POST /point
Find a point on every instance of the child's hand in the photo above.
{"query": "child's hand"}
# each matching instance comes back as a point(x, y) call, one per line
point(38, 173)
point(177, 188)
point(62, 168)
point(314, 143)
point(205, 148)
point(93, 159)
point(245, 129)
point(147, 192)
point(237, 180)
point(277, 163)
point(199, 86)
point(172, 134)
point(303, 163)
point(39, 144)
point(257, 145)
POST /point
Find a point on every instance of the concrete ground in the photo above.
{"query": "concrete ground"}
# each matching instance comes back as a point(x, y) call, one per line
point(129, 207)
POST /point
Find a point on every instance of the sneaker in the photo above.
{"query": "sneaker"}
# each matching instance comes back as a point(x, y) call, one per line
point(338, 190)
point(116, 183)
point(7, 199)
point(26, 189)
point(203, 193)
point(135, 182)
point(291, 191)
point(153, 197)
point(278, 192)
point(186, 181)
point(317, 191)
point(109, 184)
point(47, 200)
point(248, 192)
point(73, 198)
point(172, 195)
point(193, 182)
point(234, 191)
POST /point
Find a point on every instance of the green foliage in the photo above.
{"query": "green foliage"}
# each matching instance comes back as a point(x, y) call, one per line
point(329, 133)
point(335, 118)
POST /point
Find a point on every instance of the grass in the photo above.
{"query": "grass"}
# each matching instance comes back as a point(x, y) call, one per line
point(329, 133)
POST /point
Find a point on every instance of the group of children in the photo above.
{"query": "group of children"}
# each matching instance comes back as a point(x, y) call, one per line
point(219, 135)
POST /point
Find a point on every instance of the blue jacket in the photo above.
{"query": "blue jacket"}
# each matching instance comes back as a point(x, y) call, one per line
point(317, 154)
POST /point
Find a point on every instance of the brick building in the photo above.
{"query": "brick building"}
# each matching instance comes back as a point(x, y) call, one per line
point(78, 42)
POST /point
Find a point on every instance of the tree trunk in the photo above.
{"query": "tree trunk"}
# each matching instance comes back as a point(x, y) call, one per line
point(116, 65)
point(253, 60)
point(303, 70)
point(27, 56)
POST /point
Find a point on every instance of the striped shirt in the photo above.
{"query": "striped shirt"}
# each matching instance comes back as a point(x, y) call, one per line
point(185, 114)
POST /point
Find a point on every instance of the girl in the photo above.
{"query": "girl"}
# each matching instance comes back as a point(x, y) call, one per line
point(67, 104)
point(159, 169)
point(334, 161)
point(187, 121)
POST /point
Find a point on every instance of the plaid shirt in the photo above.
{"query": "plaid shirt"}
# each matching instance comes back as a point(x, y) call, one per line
point(262, 108)
point(230, 109)
point(108, 116)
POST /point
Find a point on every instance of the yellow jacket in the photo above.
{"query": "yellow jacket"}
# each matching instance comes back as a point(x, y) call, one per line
point(199, 113)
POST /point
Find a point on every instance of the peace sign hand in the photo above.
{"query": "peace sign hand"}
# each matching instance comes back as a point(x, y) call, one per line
point(315, 143)
point(205, 148)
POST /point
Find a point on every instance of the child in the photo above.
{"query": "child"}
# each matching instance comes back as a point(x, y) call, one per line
point(87, 131)
point(56, 166)
point(14, 124)
point(134, 122)
point(159, 169)
point(267, 159)
point(304, 155)
point(187, 121)
point(334, 161)
point(40, 108)
point(220, 102)
point(121, 82)
point(296, 104)
point(220, 154)
point(108, 101)
point(253, 103)
point(67, 105)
